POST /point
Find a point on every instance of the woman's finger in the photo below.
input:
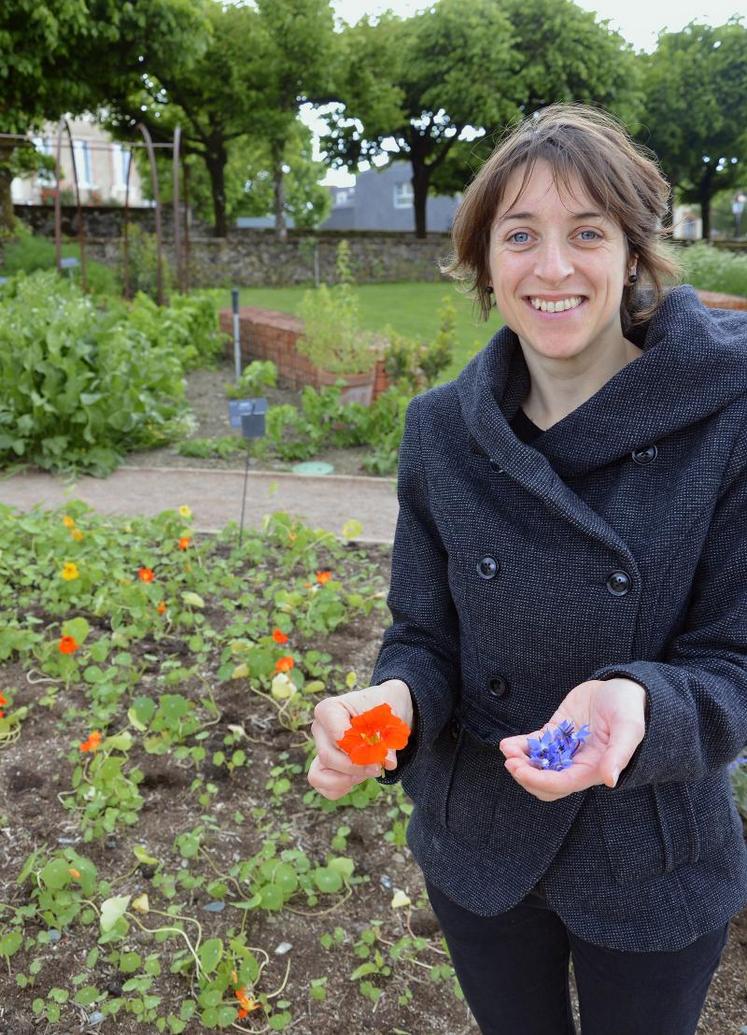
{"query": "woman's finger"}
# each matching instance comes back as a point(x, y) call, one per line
point(330, 783)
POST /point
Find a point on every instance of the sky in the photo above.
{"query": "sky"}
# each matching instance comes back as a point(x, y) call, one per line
point(638, 21)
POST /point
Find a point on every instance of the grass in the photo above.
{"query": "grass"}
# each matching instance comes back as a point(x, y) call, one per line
point(410, 308)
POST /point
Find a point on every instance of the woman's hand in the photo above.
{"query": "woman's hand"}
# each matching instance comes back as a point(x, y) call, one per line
point(332, 773)
point(615, 710)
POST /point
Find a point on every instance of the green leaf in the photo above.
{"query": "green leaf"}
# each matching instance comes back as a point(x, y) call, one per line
point(86, 996)
point(10, 943)
point(193, 599)
point(210, 954)
point(327, 880)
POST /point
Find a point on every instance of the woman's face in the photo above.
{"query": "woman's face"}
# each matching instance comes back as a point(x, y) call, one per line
point(556, 251)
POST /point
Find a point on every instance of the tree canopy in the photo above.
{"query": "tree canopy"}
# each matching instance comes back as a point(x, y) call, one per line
point(70, 56)
point(425, 87)
point(695, 103)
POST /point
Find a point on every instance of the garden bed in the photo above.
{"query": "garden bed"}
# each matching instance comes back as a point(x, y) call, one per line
point(207, 396)
point(222, 776)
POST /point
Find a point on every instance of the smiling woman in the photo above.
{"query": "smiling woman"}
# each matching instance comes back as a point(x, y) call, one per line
point(586, 573)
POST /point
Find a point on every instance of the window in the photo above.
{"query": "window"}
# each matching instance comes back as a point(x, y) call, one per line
point(344, 197)
point(83, 163)
point(121, 157)
point(403, 195)
point(45, 177)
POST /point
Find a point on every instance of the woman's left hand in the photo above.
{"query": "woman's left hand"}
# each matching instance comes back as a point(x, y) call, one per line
point(615, 711)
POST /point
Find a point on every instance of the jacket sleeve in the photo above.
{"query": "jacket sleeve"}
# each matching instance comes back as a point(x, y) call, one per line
point(697, 695)
point(421, 646)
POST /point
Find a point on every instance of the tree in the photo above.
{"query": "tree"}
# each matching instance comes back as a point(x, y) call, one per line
point(248, 83)
point(463, 69)
point(248, 181)
point(69, 56)
point(695, 98)
point(295, 46)
point(412, 87)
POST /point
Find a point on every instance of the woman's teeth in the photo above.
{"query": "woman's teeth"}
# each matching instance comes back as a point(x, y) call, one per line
point(557, 307)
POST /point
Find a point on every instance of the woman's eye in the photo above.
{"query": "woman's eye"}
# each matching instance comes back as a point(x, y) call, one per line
point(519, 233)
point(596, 236)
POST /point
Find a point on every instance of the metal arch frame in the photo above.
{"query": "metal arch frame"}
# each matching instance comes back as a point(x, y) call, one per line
point(64, 124)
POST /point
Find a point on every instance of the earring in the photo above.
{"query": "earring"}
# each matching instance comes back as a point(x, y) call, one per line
point(489, 289)
point(632, 277)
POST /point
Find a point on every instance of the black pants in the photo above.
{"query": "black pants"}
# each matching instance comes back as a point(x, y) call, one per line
point(513, 970)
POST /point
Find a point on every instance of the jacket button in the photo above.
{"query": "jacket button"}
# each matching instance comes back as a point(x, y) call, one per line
point(497, 686)
point(496, 467)
point(487, 567)
point(645, 456)
point(618, 583)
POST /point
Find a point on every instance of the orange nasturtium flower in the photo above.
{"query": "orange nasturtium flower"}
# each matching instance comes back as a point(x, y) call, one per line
point(76, 534)
point(92, 742)
point(145, 574)
point(246, 1004)
point(161, 607)
point(75, 874)
point(323, 576)
point(279, 636)
point(68, 522)
point(372, 733)
point(284, 664)
point(69, 571)
point(68, 645)
point(184, 542)
point(3, 700)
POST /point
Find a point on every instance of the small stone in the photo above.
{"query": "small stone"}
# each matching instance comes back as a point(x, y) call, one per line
point(67, 840)
point(398, 857)
point(54, 936)
point(283, 948)
point(96, 1017)
point(385, 881)
point(215, 907)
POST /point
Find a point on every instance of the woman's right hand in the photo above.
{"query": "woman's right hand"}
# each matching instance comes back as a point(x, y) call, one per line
point(332, 772)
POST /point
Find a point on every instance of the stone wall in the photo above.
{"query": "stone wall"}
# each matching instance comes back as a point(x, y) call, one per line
point(101, 221)
point(255, 257)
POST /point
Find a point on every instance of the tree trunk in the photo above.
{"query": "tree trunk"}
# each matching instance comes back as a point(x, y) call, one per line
point(215, 160)
point(7, 216)
point(421, 176)
point(705, 192)
point(281, 230)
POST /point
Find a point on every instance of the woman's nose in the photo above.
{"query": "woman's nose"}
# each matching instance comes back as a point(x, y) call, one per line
point(553, 263)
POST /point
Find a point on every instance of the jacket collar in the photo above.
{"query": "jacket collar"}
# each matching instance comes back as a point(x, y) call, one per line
point(694, 363)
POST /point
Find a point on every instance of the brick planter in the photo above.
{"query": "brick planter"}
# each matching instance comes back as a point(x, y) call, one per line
point(268, 334)
point(715, 300)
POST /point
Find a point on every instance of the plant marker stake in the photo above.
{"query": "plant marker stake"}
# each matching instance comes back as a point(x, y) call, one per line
point(236, 335)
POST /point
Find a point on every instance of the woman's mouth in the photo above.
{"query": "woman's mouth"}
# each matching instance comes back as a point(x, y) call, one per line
point(555, 308)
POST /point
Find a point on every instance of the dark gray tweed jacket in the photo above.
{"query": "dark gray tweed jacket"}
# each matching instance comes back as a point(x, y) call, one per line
point(613, 544)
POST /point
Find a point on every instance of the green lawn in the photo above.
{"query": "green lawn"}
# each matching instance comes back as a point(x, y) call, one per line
point(410, 308)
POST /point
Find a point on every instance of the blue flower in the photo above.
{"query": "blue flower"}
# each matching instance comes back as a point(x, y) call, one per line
point(556, 750)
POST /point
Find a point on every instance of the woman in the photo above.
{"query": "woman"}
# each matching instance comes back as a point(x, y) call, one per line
point(571, 546)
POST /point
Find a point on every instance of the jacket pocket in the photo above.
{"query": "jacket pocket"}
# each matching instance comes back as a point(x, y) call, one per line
point(460, 777)
point(648, 831)
point(717, 817)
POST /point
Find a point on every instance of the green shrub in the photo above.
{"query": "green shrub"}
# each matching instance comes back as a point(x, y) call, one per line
point(189, 326)
point(80, 385)
point(142, 265)
point(714, 269)
point(27, 254)
point(333, 338)
point(255, 378)
point(413, 365)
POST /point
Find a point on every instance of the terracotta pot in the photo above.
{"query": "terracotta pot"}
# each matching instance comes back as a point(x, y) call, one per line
point(358, 387)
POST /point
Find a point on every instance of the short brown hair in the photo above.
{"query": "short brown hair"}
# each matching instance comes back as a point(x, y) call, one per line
point(621, 176)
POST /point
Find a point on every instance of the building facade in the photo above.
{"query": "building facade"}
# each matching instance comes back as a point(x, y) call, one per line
point(100, 162)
